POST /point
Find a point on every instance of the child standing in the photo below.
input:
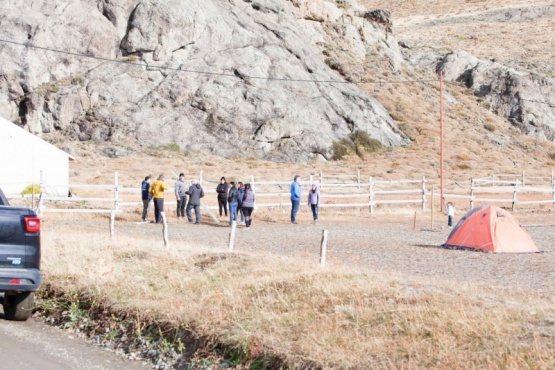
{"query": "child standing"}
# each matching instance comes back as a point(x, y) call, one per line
point(314, 201)
point(450, 213)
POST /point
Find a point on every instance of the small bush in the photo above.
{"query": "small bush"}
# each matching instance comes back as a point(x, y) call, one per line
point(490, 127)
point(551, 155)
point(358, 142)
point(339, 150)
point(31, 189)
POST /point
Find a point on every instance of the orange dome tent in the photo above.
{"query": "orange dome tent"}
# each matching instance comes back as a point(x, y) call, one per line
point(490, 229)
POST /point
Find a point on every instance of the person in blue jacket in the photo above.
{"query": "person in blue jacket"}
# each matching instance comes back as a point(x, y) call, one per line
point(146, 197)
point(295, 198)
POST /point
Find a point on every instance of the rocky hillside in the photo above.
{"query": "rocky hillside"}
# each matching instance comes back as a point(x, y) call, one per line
point(502, 50)
point(230, 77)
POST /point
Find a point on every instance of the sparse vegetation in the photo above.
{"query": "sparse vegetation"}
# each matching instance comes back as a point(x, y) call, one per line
point(31, 189)
point(357, 142)
point(489, 126)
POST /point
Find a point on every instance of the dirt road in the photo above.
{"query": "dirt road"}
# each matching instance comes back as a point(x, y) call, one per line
point(34, 345)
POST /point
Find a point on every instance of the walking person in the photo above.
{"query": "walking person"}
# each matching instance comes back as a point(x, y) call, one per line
point(233, 201)
point(222, 189)
point(181, 195)
point(241, 190)
point(295, 198)
point(146, 196)
point(157, 190)
point(195, 192)
point(314, 201)
point(248, 204)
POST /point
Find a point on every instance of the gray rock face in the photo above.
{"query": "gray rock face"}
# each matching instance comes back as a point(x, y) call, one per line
point(232, 77)
point(526, 99)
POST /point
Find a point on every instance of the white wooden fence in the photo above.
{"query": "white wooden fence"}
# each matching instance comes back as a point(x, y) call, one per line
point(346, 191)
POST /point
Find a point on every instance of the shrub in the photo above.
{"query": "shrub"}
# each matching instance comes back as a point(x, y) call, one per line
point(31, 189)
point(358, 142)
point(490, 127)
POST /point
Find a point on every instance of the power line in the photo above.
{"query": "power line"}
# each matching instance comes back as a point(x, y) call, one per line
point(235, 75)
point(539, 102)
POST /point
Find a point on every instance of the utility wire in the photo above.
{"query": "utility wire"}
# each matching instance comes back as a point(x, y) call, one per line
point(235, 75)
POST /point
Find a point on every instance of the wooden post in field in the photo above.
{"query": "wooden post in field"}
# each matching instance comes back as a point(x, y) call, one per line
point(432, 209)
point(523, 179)
point(112, 223)
point(116, 192)
point(371, 194)
point(358, 178)
point(414, 222)
point(165, 229)
point(471, 193)
point(323, 248)
point(514, 195)
point(321, 180)
point(311, 180)
point(41, 190)
point(200, 178)
point(424, 193)
point(232, 235)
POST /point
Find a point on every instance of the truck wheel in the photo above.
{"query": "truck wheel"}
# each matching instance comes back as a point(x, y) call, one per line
point(19, 307)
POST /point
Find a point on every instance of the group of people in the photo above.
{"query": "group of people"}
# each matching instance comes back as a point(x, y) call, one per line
point(155, 192)
point(234, 199)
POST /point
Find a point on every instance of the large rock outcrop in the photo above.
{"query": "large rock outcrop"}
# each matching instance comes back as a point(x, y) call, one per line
point(526, 99)
point(233, 77)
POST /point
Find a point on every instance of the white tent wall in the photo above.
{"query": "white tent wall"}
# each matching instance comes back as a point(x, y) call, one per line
point(23, 156)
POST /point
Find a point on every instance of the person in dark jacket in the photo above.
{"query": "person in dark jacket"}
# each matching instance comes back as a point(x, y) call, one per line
point(195, 192)
point(221, 189)
point(180, 190)
point(146, 197)
point(233, 201)
point(248, 204)
point(241, 190)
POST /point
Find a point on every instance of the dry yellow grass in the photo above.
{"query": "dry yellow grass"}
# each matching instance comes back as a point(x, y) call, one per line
point(334, 318)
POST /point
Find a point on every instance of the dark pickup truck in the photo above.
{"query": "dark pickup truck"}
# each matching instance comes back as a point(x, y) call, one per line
point(20, 273)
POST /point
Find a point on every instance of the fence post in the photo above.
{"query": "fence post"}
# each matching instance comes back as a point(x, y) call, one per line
point(112, 223)
point(323, 248)
point(232, 235)
point(321, 180)
point(514, 195)
point(41, 190)
point(471, 193)
point(311, 179)
point(116, 192)
point(523, 179)
point(424, 193)
point(371, 194)
point(432, 211)
point(165, 229)
point(358, 178)
point(200, 178)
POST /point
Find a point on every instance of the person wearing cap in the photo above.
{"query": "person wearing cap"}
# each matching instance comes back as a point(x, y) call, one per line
point(157, 191)
point(146, 196)
point(181, 195)
point(295, 198)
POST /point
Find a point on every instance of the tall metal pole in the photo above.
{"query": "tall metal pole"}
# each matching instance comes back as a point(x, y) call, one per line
point(441, 138)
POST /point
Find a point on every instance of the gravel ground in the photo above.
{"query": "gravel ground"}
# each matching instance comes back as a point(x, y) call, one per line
point(385, 243)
